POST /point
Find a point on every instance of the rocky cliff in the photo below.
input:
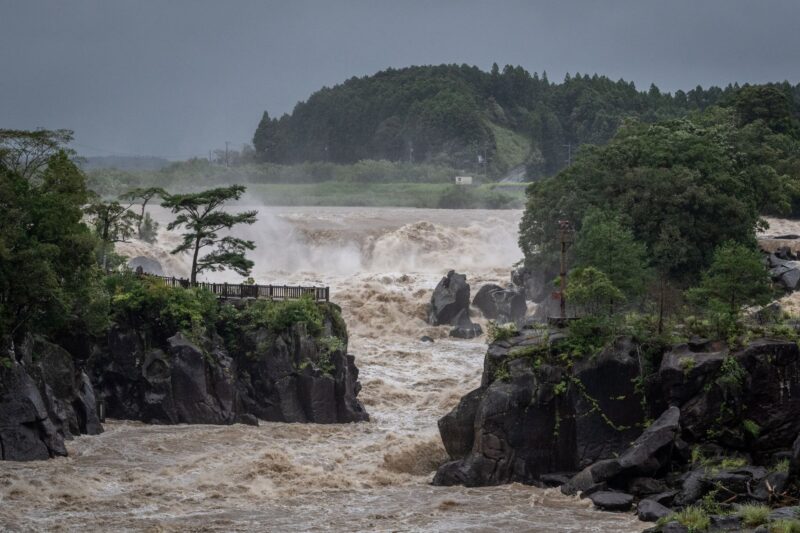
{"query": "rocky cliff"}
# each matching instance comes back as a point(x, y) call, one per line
point(623, 426)
point(235, 372)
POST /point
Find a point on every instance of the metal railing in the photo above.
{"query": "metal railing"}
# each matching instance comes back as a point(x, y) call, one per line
point(265, 292)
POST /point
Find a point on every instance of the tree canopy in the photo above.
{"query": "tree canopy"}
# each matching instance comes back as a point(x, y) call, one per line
point(49, 279)
point(202, 216)
point(454, 113)
point(698, 182)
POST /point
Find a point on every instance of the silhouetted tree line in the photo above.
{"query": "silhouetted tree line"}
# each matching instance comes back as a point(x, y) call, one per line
point(445, 114)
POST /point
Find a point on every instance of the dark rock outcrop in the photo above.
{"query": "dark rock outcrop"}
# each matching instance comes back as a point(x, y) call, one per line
point(288, 378)
point(535, 284)
point(651, 511)
point(450, 299)
point(784, 269)
point(719, 414)
point(501, 305)
point(294, 381)
point(44, 400)
point(465, 328)
point(531, 418)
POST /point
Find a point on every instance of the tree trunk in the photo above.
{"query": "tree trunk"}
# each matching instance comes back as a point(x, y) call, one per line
point(193, 278)
point(105, 247)
point(141, 219)
point(661, 307)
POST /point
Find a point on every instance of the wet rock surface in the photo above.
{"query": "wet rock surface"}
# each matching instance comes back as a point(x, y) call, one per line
point(450, 300)
point(286, 378)
point(44, 400)
point(138, 375)
point(707, 423)
point(501, 305)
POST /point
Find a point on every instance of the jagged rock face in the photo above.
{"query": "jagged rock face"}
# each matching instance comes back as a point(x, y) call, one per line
point(519, 432)
point(279, 384)
point(719, 390)
point(43, 401)
point(607, 405)
point(449, 300)
point(537, 420)
point(558, 420)
point(27, 433)
point(701, 393)
point(784, 269)
point(181, 381)
point(502, 305)
point(536, 284)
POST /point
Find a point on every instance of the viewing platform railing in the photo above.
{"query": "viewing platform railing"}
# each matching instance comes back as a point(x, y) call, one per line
point(264, 292)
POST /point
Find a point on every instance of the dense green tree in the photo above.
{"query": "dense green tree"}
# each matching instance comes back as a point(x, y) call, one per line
point(737, 277)
point(202, 216)
point(440, 113)
point(767, 103)
point(28, 153)
point(49, 280)
point(591, 292)
point(144, 195)
point(112, 222)
point(606, 244)
point(706, 180)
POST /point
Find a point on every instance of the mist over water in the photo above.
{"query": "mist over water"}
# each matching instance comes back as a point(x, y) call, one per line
point(381, 265)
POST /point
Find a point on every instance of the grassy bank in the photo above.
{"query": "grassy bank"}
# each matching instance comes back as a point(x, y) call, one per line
point(367, 183)
point(426, 195)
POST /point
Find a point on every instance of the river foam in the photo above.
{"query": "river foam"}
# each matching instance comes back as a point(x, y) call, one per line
point(381, 265)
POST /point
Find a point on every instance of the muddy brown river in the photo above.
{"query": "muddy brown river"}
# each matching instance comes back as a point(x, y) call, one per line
point(381, 265)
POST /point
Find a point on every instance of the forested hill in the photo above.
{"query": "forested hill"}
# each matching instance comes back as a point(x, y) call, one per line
point(461, 115)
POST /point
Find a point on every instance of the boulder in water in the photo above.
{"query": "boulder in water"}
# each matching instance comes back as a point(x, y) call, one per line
point(502, 305)
point(651, 511)
point(449, 300)
point(611, 501)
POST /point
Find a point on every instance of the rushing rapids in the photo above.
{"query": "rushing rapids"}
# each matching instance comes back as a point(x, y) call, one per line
point(381, 265)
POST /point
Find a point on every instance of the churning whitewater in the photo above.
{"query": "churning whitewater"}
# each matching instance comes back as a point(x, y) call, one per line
point(381, 265)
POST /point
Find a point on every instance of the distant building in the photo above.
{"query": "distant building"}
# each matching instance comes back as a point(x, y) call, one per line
point(463, 180)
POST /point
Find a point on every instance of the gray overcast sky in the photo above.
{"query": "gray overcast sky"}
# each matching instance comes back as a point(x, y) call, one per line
point(176, 78)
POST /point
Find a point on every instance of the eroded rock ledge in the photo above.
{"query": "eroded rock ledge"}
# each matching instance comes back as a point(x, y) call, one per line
point(140, 372)
point(624, 426)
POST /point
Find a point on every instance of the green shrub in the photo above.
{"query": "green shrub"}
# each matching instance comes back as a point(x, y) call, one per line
point(732, 373)
point(327, 346)
point(278, 316)
point(501, 373)
point(753, 515)
point(588, 335)
point(500, 332)
point(785, 526)
point(694, 518)
point(331, 344)
point(686, 364)
point(751, 427)
point(781, 466)
point(147, 302)
point(730, 463)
